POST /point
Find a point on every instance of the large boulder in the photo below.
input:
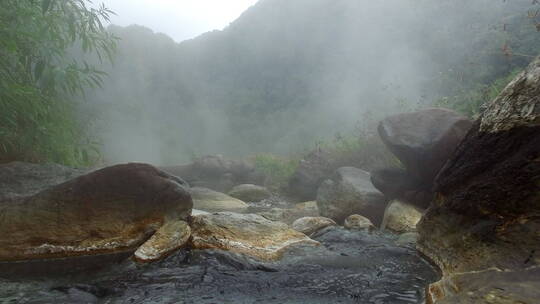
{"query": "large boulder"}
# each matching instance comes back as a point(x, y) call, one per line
point(250, 193)
point(350, 191)
point(248, 234)
point(401, 217)
point(424, 140)
point(213, 201)
point(107, 211)
point(217, 173)
point(486, 212)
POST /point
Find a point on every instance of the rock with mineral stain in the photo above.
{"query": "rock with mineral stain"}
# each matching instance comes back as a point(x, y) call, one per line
point(170, 237)
point(310, 225)
point(358, 222)
point(485, 212)
point(350, 191)
point(110, 210)
point(248, 234)
point(209, 200)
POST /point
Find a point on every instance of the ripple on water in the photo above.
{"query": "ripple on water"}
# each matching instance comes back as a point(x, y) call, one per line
point(350, 267)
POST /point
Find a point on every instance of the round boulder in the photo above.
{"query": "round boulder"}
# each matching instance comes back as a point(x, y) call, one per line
point(424, 140)
point(111, 210)
point(250, 193)
point(401, 217)
point(350, 191)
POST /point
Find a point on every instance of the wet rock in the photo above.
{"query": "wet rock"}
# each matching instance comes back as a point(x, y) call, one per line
point(24, 179)
point(250, 193)
point(395, 182)
point(350, 191)
point(489, 286)
point(248, 234)
point(401, 217)
point(217, 173)
point(407, 238)
point(358, 222)
point(424, 140)
point(310, 225)
point(213, 201)
point(170, 237)
point(349, 267)
point(109, 210)
point(485, 212)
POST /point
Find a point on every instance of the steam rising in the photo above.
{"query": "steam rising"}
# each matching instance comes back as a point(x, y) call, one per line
point(289, 73)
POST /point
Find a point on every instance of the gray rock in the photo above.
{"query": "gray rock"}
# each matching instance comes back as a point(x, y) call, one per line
point(216, 172)
point(424, 140)
point(212, 201)
point(350, 191)
point(401, 217)
point(250, 193)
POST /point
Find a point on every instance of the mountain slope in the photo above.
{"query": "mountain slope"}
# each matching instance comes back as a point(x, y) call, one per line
point(288, 73)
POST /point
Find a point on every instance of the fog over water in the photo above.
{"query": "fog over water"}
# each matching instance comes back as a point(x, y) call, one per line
point(287, 74)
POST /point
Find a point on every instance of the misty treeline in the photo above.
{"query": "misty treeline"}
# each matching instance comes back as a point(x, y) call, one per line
point(284, 77)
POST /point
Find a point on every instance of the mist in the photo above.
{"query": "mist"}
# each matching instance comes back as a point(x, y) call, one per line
point(288, 74)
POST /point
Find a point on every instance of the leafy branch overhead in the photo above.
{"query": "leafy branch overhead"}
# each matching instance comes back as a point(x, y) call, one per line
point(41, 74)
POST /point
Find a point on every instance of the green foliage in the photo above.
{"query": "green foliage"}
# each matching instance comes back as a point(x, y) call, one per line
point(469, 102)
point(40, 80)
point(277, 169)
point(361, 149)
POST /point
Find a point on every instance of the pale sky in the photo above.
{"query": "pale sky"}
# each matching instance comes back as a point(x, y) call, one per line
point(179, 19)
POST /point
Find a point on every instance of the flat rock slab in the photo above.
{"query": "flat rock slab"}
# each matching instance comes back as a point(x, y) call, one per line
point(170, 237)
point(248, 234)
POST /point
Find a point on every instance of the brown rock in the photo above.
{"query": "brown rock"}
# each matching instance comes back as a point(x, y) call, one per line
point(170, 237)
point(109, 210)
point(358, 222)
point(486, 213)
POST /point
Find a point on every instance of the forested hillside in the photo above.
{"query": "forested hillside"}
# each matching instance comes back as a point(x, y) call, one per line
point(289, 73)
